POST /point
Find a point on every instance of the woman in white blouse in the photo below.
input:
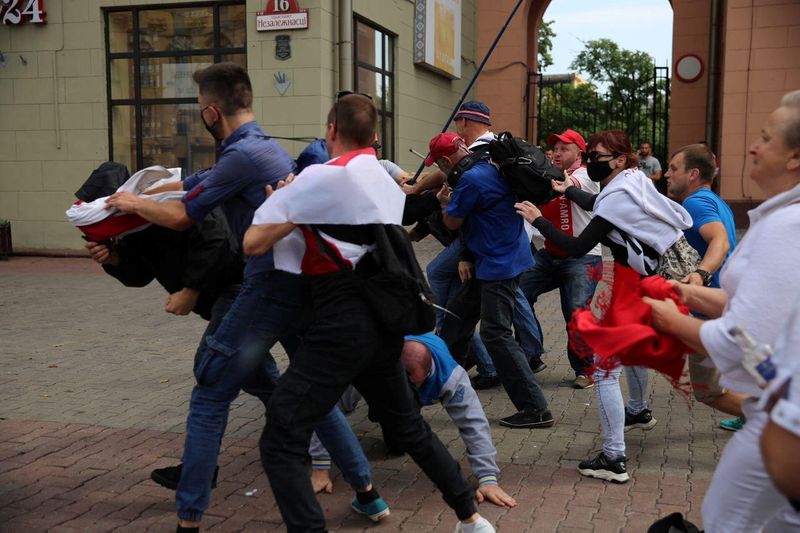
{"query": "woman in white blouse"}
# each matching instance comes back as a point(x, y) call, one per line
point(759, 289)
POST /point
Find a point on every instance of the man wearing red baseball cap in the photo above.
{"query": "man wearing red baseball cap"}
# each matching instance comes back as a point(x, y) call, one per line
point(553, 268)
point(445, 145)
point(483, 207)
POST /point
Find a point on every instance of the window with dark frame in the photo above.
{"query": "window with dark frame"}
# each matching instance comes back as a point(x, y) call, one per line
point(374, 75)
point(151, 53)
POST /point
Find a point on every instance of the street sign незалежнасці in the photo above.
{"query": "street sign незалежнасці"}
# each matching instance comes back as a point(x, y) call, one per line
point(282, 15)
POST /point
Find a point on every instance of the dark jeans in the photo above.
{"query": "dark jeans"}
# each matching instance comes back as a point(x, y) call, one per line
point(236, 356)
point(445, 282)
point(576, 286)
point(344, 344)
point(492, 302)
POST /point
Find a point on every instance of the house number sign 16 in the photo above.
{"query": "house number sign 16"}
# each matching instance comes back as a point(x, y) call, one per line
point(15, 12)
point(281, 15)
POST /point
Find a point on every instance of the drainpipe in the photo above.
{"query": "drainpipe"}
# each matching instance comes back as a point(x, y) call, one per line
point(56, 108)
point(714, 77)
point(345, 45)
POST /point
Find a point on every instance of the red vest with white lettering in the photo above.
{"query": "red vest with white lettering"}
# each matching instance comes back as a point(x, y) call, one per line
point(567, 216)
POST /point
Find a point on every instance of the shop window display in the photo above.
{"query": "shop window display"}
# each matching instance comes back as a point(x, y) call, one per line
point(151, 54)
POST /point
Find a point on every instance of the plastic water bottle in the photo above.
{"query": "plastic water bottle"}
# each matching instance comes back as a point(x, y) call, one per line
point(756, 358)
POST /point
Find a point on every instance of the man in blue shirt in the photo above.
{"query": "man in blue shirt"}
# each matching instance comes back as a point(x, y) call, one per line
point(266, 309)
point(316, 153)
point(690, 174)
point(483, 208)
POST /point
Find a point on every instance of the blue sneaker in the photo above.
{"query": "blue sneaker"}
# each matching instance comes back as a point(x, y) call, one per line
point(376, 510)
point(732, 424)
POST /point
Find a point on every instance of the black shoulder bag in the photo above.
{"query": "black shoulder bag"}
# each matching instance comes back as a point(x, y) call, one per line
point(397, 293)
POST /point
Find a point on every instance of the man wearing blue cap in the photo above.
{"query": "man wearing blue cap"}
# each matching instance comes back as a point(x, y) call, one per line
point(472, 123)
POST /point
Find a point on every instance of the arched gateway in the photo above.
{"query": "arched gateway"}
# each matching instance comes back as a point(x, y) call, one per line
point(749, 59)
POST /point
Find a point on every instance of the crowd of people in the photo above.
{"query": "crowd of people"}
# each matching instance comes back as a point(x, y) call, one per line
point(271, 250)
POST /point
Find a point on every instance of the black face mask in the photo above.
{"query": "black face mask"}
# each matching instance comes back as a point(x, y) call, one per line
point(598, 170)
point(211, 128)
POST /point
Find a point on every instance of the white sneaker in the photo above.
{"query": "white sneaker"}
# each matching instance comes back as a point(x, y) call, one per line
point(480, 526)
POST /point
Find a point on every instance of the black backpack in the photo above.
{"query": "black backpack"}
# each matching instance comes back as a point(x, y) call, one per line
point(525, 168)
point(396, 290)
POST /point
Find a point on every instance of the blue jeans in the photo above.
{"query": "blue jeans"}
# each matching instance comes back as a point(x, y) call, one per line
point(444, 281)
point(235, 357)
point(572, 278)
point(612, 407)
point(526, 327)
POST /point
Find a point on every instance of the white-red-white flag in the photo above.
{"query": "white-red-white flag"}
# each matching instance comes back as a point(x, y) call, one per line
point(352, 189)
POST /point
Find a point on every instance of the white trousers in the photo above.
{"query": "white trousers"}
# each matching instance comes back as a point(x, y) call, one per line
point(742, 498)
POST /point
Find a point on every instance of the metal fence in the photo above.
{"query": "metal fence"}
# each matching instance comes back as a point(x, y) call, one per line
point(562, 103)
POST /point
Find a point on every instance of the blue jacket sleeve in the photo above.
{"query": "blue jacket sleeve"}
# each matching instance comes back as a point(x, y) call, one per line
point(232, 173)
point(191, 181)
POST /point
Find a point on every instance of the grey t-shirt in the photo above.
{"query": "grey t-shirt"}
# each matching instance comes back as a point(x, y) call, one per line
point(391, 168)
point(649, 165)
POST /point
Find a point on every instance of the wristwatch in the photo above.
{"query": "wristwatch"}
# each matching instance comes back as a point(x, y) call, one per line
point(706, 275)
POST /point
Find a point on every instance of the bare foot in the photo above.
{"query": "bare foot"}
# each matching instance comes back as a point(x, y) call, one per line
point(321, 481)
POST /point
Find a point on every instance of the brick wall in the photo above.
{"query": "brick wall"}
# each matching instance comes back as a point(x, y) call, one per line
point(503, 82)
point(690, 35)
point(762, 62)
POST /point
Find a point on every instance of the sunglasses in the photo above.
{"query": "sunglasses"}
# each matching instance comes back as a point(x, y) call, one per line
point(342, 94)
point(595, 157)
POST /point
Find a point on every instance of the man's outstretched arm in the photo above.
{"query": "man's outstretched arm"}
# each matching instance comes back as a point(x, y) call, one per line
point(464, 408)
point(260, 238)
point(170, 214)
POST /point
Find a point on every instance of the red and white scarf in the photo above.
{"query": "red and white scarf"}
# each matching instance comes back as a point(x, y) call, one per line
point(99, 223)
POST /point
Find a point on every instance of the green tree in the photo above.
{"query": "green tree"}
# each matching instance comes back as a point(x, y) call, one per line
point(628, 78)
point(565, 105)
point(546, 36)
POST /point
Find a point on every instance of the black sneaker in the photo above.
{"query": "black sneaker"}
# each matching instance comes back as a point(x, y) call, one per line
point(528, 419)
point(602, 467)
point(484, 382)
point(170, 476)
point(537, 365)
point(643, 420)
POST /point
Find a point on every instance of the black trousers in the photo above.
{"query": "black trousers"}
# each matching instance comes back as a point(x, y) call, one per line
point(344, 344)
point(492, 302)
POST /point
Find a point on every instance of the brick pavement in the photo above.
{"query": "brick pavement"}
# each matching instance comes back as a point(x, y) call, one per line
point(94, 390)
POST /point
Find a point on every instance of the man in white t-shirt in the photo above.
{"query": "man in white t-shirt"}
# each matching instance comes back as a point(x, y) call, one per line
point(575, 278)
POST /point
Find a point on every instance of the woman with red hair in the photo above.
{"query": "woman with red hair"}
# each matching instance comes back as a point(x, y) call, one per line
point(641, 227)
